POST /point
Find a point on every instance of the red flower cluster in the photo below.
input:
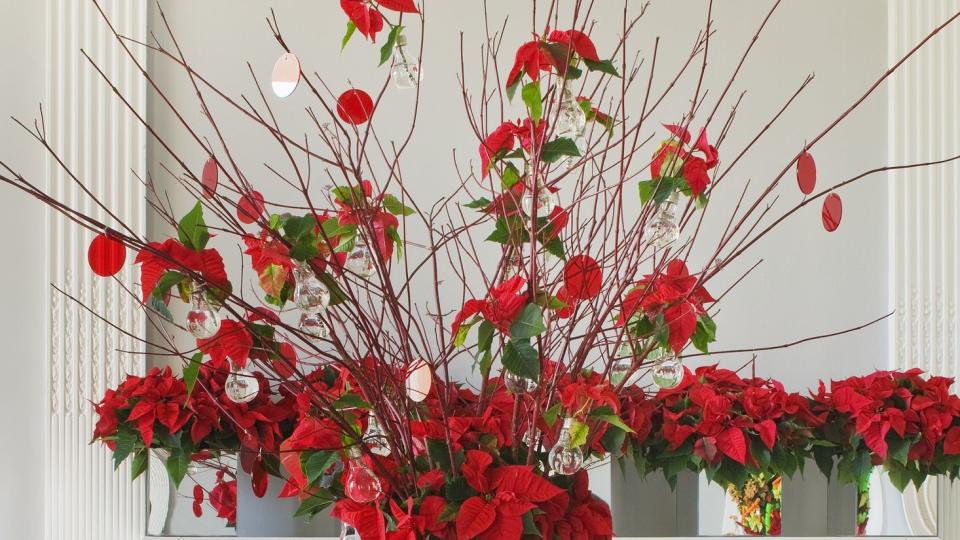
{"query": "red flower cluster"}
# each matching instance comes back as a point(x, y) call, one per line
point(500, 308)
point(173, 255)
point(715, 414)
point(917, 417)
point(554, 52)
point(367, 18)
point(145, 404)
point(675, 158)
point(675, 297)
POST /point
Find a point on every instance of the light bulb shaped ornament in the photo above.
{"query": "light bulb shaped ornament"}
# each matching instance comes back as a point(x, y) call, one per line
point(563, 458)
point(202, 320)
point(663, 230)
point(375, 437)
point(309, 293)
point(360, 260)
point(406, 72)
point(543, 199)
point(668, 373)
point(241, 386)
point(360, 483)
point(518, 384)
point(313, 326)
point(571, 120)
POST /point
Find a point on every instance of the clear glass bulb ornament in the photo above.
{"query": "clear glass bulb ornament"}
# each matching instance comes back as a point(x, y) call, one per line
point(360, 260)
point(619, 368)
point(562, 458)
point(347, 532)
point(309, 293)
point(375, 438)
point(668, 373)
point(663, 230)
point(360, 484)
point(241, 386)
point(544, 200)
point(311, 325)
point(202, 320)
point(571, 120)
point(517, 384)
point(406, 71)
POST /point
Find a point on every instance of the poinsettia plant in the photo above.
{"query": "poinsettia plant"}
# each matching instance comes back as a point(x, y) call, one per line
point(449, 370)
point(903, 421)
point(730, 427)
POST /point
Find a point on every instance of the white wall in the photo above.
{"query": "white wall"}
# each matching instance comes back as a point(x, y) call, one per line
point(22, 312)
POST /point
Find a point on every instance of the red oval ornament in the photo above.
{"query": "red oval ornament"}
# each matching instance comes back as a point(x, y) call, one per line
point(832, 212)
point(106, 255)
point(210, 178)
point(355, 106)
point(582, 277)
point(250, 207)
point(806, 173)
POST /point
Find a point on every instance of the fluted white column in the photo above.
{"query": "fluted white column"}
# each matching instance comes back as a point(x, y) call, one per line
point(103, 145)
point(924, 108)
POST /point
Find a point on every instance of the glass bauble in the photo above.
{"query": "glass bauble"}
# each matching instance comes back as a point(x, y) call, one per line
point(309, 293)
point(202, 320)
point(662, 231)
point(360, 260)
point(564, 459)
point(517, 384)
point(668, 373)
point(241, 386)
point(406, 72)
point(545, 200)
point(313, 326)
point(360, 484)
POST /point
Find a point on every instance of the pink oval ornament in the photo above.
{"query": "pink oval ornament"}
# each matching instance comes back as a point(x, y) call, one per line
point(832, 212)
point(419, 381)
point(286, 75)
point(210, 178)
point(806, 173)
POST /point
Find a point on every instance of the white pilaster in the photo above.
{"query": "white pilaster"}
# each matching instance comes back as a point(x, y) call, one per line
point(103, 145)
point(924, 107)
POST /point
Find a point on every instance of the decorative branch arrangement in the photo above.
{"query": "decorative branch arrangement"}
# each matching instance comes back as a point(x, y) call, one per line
point(334, 372)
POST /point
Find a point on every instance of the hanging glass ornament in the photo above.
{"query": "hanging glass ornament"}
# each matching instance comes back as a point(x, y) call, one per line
point(544, 199)
point(517, 384)
point(360, 260)
point(663, 230)
point(347, 532)
point(309, 293)
point(241, 386)
point(564, 459)
point(375, 438)
point(406, 71)
point(313, 326)
point(202, 320)
point(668, 372)
point(571, 120)
point(360, 484)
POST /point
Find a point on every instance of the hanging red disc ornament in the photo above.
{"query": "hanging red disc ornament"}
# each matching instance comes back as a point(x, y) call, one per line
point(806, 173)
point(355, 106)
point(210, 178)
point(832, 212)
point(582, 277)
point(250, 207)
point(106, 255)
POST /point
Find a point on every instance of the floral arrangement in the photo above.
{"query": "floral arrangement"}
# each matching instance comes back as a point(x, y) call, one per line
point(386, 362)
point(759, 502)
